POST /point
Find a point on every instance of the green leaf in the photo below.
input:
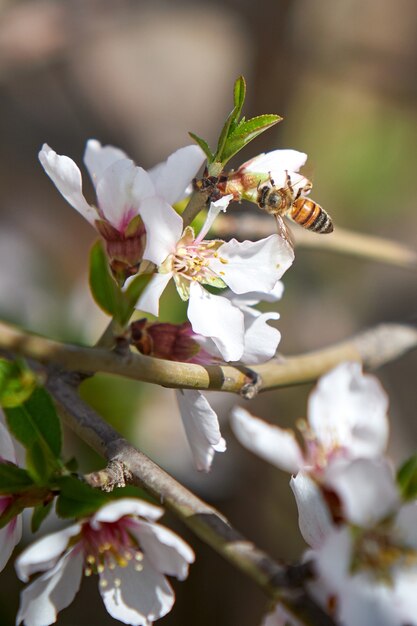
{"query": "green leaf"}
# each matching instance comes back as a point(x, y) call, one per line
point(133, 292)
point(36, 425)
point(16, 382)
point(239, 95)
point(407, 478)
point(203, 145)
point(77, 499)
point(104, 288)
point(245, 132)
point(13, 479)
point(40, 512)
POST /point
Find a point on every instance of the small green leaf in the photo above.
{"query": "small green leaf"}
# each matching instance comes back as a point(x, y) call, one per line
point(104, 288)
point(39, 514)
point(407, 478)
point(13, 479)
point(38, 463)
point(203, 145)
point(245, 132)
point(77, 499)
point(16, 382)
point(239, 94)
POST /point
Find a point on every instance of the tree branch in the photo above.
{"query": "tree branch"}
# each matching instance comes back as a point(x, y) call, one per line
point(375, 347)
point(279, 582)
point(341, 241)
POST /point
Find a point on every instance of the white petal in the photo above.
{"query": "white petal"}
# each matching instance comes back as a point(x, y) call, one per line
point(277, 161)
point(7, 451)
point(163, 229)
point(136, 597)
point(214, 210)
point(406, 524)
point(10, 536)
point(333, 558)
point(43, 554)
point(405, 594)
point(349, 409)
point(66, 176)
point(98, 158)
point(149, 299)
point(280, 617)
point(253, 266)
point(173, 177)
point(166, 552)
point(254, 297)
point(271, 443)
point(201, 427)
point(261, 339)
point(47, 595)
point(366, 488)
point(116, 192)
point(364, 602)
point(125, 506)
point(313, 515)
point(216, 317)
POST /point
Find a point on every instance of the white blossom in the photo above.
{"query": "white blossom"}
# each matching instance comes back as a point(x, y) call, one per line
point(124, 546)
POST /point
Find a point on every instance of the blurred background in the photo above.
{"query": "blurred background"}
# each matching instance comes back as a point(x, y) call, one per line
point(140, 75)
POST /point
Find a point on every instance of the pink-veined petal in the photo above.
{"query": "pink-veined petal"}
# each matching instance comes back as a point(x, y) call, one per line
point(172, 177)
point(201, 426)
point(44, 553)
point(163, 229)
point(136, 597)
point(349, 409)
point(313, 515)
point(10, 536)
point(166, 552)
point(125, 506)
point(366, 488)
point(271, 443)
point(41, 601)
point(252, 266)
point(98, 158)
point(149, 299)
point(66, 177)
point(216, 317)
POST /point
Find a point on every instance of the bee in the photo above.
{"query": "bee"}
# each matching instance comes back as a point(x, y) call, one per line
point(285, 201)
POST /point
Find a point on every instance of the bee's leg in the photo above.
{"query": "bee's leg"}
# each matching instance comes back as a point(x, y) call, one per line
point(250, 389)
point(288, 183)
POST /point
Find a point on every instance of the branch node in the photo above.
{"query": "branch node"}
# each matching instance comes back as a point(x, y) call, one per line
point(114, 475)
point(251, 389)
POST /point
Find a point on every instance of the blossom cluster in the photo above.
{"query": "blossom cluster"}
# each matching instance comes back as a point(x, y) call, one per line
point(361, 531)
point(222, 281)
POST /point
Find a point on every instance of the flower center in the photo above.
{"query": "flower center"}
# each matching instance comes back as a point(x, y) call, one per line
point(192, 261)
point(109, 547)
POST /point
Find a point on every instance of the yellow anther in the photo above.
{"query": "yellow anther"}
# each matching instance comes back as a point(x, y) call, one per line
point(117, 582)
point(100, 568)
point(88, 571)
point(90, 559)
point(103, 583)
point(139, 556)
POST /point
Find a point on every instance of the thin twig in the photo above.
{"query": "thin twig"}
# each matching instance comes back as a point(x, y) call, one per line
point(342, 241)
point(375, 347)
point(278, 581)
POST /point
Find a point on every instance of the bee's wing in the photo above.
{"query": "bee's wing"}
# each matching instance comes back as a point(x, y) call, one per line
point(283, 230)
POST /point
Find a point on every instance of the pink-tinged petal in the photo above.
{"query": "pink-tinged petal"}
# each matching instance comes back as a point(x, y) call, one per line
point(271, 443)
point(136, 597)
point(149, 299)
point(66, 176)
point(366, 488)
point(7, 450)
point(10, 536)
point(280, 617)
point(116, 192)
point(41, 601)
point(98, 158)
point(216, 317)
point(253, 266)
point(313, 515)
point(349, 409)
point(261, 339)
point(125, 506)
point(172, 177)
point(44, 553)
point(214, 210)
point(163, 229)
point(201, 427)
point(276, 162)
point(166, 552)
point(406, 525)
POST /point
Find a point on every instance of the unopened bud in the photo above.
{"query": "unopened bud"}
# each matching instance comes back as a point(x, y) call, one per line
point(125, 250)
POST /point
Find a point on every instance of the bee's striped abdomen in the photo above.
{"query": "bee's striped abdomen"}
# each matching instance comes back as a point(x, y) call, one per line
point(310, 215)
